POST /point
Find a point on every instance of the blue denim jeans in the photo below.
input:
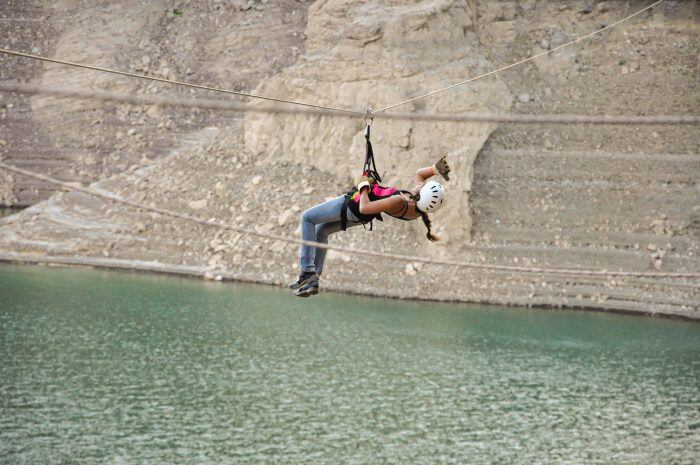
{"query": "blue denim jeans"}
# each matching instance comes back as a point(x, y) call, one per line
point(317, 223)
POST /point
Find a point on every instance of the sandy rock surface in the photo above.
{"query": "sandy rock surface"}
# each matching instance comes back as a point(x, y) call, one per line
point(539, 196)
point(361, 55)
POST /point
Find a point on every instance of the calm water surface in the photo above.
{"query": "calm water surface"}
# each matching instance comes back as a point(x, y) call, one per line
point(112, 368)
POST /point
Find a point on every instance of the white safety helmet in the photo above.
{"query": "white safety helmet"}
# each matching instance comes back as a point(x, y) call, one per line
point(432, 195)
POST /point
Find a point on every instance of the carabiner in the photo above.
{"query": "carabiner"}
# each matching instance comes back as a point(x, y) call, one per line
point(369, 117)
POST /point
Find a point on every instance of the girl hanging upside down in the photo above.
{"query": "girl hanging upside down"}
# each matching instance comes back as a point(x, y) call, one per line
point(361, 205)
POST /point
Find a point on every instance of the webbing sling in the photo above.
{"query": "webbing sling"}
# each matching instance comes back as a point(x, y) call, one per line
point(370, 167)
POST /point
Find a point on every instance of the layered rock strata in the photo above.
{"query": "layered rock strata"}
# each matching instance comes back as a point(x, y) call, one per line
point(540, 196)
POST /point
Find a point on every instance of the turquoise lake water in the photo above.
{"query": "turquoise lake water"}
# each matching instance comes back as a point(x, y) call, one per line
point(114, 368)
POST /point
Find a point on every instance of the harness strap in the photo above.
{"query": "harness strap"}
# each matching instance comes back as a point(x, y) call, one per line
point(344, 213)
point(369, 169)
point(370, 165)
point(404, 209)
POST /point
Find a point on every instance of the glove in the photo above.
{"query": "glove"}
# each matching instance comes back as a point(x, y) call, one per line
point(364, 181)
point(442, 168)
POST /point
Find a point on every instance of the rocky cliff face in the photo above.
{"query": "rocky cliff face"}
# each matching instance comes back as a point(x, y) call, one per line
point(593, 197)
point(87, 140)
point(375, 55)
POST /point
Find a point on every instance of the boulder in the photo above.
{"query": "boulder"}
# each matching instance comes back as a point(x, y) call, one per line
point(198, 204)
point(284, 216)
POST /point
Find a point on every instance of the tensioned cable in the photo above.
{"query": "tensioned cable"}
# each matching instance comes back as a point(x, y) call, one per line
point(244, 94)
point(210, 104)
point(521, 61)
point(392, 256)
point(178, 83)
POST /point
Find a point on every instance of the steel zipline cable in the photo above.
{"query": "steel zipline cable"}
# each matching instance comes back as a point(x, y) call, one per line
point(496, 71)
point(210, 104)
point(311, 105)
point(178, 83)
point(390, 256)
point(314, 109)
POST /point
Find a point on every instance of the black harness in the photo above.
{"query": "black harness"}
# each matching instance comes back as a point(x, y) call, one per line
point(370, 170)
point(400, 215)
point(370, 167)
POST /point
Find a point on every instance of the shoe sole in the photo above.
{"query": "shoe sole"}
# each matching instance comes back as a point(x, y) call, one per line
point(298, 285)
point(307, 293)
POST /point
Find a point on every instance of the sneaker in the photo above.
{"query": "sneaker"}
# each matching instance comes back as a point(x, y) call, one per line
point(308, 289)
point(304, 278)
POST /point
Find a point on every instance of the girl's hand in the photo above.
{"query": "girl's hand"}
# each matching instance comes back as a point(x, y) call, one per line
point(363, 181)
point(443, 168)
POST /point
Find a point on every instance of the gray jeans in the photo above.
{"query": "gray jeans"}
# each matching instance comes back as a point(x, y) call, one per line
point(317, 223)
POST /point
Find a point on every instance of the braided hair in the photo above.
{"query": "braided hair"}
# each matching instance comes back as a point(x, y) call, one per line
point(431, 237)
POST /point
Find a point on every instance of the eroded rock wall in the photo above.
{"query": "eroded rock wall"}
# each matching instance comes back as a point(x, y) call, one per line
point(375, 54)
point(87, 140)
point(541, 196)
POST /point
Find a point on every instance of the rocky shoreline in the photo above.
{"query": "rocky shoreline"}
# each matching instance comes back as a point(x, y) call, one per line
point(232, 276)
point(576, 196)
